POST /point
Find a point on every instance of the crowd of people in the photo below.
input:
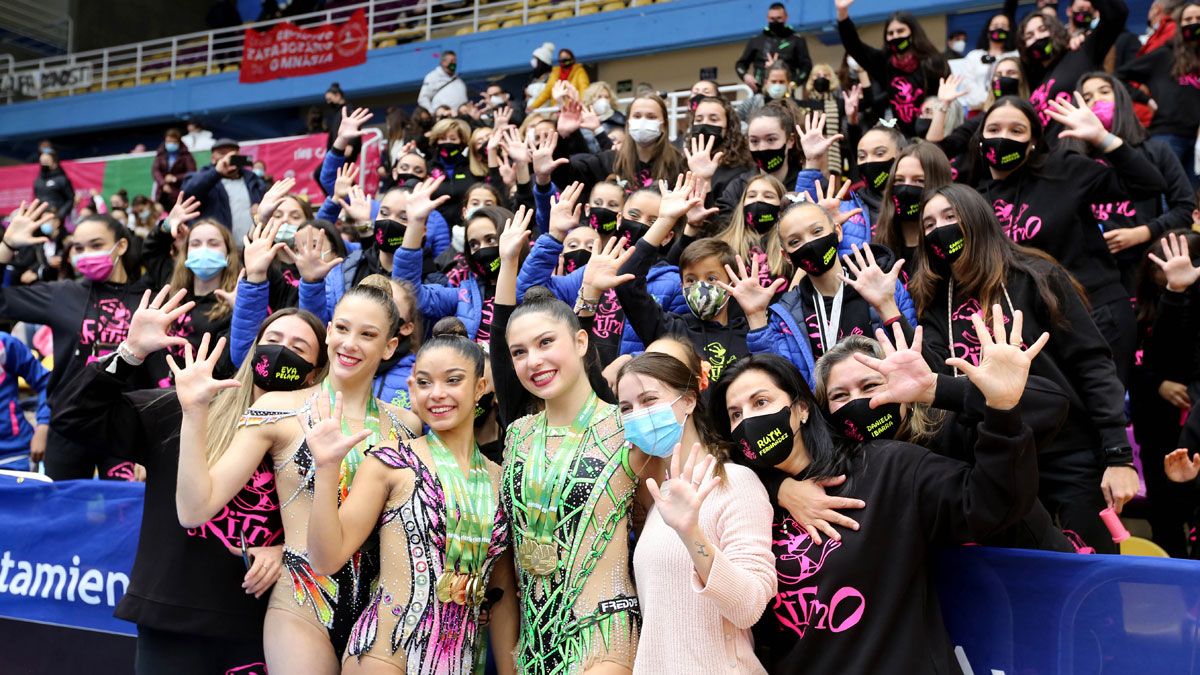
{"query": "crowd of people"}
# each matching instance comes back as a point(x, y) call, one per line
point(566, 396)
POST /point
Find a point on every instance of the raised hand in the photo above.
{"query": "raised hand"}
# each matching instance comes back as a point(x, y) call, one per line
point(1176, 263)
point(359, 206)
point(195, 385)
point(153, 318)
point(1003, 366)
point(816, 511)
point(325, 439)
point(813, 140)
point(515, 235)
point(1078, 121)
point(843, 8)
point(259, 248)
point(908, 376)
point(853, 99)
point(570, 117)
point(600, 274)
point(314, 254)
point(274, 196)
point(588, 119)
point(544, 162)
point(501, 117)
point(831, 200)
point(700, 159)
point(867, 278)
point(25, 225)
point(565, 211)
point(681, 495)
point(1181, 467)
point(678, 201)
point(183, 212)
point(347, 174)
point(950, 89)
point(747, 289)
point(421, 201)
point(517, 150)
point(229, 297)
point(351, 126)
point(699, 212)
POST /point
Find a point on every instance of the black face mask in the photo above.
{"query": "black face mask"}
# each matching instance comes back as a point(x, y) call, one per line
point(573, 260)
point(632, 230)
point(1005, 86)
point(1190, 33)
point(484, 406)
point(875, 174)
point(900, 45)
point(1043, 50)
point(821, 85)
point(908, 201)
point(711, 130)
point(817, 256)
point(403, 178)
point(1003, 153)
point(485, 262)
point(921, 126)
point(1081, 20)
point(389, 235)
point(566, 63)
point(858, 422)
point(944, 245)
point(761, 216)
point(777, 28)
point(278, 368)
point(602, 220)
point(769, 161)
point(765, 441)
point(998, 35)
point(451, 153)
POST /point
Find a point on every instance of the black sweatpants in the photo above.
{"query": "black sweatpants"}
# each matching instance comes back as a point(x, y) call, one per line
point(168, 653)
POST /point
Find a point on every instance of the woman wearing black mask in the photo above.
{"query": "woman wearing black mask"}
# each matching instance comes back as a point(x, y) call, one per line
point(1174, 77)
point(472, 301)
point(775, 149)
point(198, 596)
point(752, 228)
point(823, 94)
point(918, 168)
point(1044, 200)
point(968, 264)
point(715, 147)
point(876, 590)
point(909, 68)
point(1007, 80)
point(449, 160)
point(1052, 67)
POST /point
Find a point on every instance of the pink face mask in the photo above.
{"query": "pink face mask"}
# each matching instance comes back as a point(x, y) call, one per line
point(1104, 111)
point(95, 266)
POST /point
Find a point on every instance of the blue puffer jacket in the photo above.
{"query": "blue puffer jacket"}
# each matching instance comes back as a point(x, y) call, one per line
point(464, 302)
point(392, 386)
point(18, 361)
point(538, 270)
point(249, 312)
point(788, 335)
point(856, 230)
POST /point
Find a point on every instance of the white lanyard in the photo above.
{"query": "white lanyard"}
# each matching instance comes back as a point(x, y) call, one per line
point(828, 327)
point(950, 317)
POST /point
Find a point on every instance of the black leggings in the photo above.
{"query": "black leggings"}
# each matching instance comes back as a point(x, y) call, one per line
point(168, 653)
point(1118, 324)
point(1070, 490)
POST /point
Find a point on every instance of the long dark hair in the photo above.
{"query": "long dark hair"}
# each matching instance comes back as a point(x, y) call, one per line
point(932, 61)
point(984, 41)
point(784, 112)
point(826, 459)
point(733, 142)
point(1058, 35)
point(131, 259)
point(974, 168)
point(937, 174)
point(988, 257)
point(1148, 292)
point(540, 300)
point(1187, 56)
point(1125, 122)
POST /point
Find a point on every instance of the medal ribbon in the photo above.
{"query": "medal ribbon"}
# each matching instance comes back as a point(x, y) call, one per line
point(544, 484)
point(470, 508)
point(356, 455)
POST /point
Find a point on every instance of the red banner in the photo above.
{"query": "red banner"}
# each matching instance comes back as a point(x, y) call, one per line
point(287, 50)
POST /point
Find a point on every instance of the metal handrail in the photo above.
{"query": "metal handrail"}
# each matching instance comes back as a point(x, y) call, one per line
point(210, 52)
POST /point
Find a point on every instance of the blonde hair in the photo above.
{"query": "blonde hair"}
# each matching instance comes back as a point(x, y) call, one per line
point(444, 127)
point(182, 277)
point(477, 167)
point(593, 92)
point(741, 238)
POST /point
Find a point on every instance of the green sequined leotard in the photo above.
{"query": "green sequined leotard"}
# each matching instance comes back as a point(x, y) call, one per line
point(586, 611)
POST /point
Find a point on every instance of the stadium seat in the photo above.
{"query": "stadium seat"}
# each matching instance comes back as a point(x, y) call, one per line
point(465, 30)
point(536, 18)
point(384, 44)
point(511, 23)
point(562, 14)
point(491, 25)
point(584, 10)
point(231, 68)
point(158, 79)
point(612, 6)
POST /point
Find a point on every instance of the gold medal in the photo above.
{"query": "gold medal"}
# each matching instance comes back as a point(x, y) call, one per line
point(545, 560)
point(479, 591)
point(525, 554)
point(444, 586)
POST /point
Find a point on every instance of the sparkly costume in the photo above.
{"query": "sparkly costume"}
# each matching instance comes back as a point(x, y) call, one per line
point(585, 611)
point(404, 622)
point(333, 602)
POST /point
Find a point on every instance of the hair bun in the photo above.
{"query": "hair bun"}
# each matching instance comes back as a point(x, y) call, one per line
point(538, 294)
point(449, 327)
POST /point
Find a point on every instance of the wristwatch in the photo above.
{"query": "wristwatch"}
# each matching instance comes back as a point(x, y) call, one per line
point(1120, 455)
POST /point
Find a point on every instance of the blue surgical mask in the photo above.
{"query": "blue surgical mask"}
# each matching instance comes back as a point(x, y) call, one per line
point(287, 234)
point(654, 430)
point(47, 229)
point(171, 147)
point(260, 173)
point(206, 263)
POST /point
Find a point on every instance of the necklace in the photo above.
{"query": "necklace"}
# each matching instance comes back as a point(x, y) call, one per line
point(470, 513)
point(543, 484)
point(355, 457)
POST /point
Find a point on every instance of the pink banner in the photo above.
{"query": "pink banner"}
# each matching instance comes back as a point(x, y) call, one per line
point(16, 182)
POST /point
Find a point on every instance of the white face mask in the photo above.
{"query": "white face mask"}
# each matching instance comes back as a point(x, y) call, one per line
point(776, 90)
point(458, 237)
point(496, 101)
point(958, 46)
point(644, 131)
point(601, 106)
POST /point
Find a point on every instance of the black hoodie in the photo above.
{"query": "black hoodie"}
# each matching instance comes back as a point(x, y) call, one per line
point(54, 187)
point(1178, 98)
point(791, 48)
point(1050, 208)
point(717, 344)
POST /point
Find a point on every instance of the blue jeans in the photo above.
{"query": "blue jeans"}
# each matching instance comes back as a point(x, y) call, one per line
point(1185, 149)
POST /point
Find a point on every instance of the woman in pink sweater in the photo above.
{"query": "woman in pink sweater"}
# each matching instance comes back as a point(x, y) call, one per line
point(703, 563)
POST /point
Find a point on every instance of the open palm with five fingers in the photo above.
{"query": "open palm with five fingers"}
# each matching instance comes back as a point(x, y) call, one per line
point(195, 384)
point(324, 436)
